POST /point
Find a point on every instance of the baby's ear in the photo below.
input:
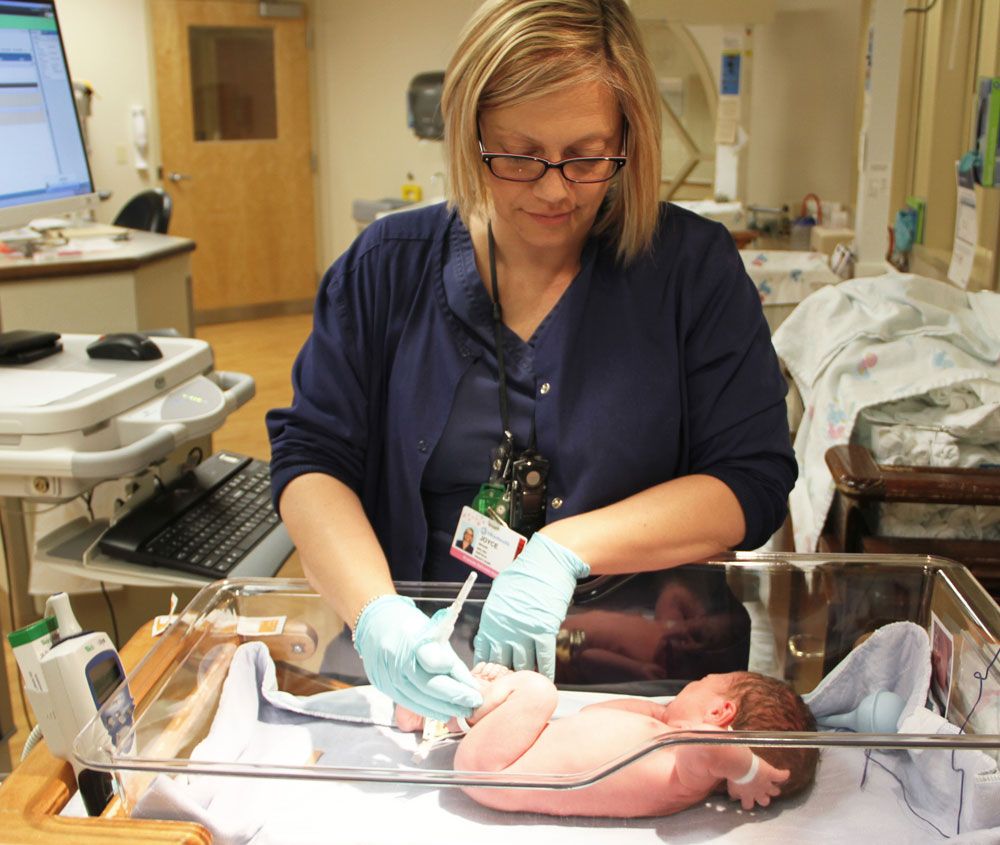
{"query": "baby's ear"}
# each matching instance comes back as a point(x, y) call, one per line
point(722, 713)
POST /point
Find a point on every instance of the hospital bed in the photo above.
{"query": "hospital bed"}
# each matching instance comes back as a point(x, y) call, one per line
point(783, 279)
point(188, 755)
point(730, 214)
point(786, 277)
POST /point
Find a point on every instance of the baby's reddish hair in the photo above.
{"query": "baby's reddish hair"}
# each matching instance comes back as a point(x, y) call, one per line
point(767, 704)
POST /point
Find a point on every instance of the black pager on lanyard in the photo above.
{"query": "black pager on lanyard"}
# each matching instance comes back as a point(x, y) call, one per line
point(530, 474)
point(516, 490)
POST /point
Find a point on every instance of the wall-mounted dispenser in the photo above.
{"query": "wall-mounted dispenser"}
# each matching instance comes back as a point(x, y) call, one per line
point(140, 138)
point(424, 105)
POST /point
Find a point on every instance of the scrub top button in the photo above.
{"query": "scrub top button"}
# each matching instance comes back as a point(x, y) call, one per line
point(557, 503)
point(421, 445)
point(545, 388)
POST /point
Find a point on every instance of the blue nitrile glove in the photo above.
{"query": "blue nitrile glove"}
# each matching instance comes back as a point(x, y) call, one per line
point(404, 660)
point(526, 606)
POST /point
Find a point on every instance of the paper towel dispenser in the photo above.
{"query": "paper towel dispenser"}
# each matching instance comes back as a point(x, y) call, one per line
point(424, 105)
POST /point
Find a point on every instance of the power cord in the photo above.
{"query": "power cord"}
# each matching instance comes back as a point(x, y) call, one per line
point(20, 680)
point(921, 10)
point(982, 677)
point(111, 611)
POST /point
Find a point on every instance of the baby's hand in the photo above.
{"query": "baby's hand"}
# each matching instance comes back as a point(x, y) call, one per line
point(765, 785)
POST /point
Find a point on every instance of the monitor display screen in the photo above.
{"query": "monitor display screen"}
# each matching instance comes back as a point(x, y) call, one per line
point(43, 160)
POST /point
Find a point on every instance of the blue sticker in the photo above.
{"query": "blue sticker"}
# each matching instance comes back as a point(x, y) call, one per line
point(730, 79)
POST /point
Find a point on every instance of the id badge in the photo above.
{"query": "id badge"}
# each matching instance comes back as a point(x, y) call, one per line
point(484, 543)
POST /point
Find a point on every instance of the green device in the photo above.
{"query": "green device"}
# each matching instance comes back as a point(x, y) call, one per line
point(919, 205)
point(987, 171)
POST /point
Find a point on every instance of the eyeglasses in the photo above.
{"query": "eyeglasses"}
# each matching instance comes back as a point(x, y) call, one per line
point(586, 170)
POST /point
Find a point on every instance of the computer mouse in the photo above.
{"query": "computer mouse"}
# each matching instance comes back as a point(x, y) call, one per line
point(124, 346)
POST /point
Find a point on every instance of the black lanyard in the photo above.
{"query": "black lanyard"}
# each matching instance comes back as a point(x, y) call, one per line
point(515, 492)
point(498, 335)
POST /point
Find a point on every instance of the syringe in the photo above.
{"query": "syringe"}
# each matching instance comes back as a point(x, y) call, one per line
point(434, 731)
point(445, 626)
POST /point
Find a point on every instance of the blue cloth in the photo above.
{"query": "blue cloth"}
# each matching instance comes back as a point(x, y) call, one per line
point(658, 369)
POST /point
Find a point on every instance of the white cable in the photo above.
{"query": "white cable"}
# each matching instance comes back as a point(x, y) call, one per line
point(31, 741)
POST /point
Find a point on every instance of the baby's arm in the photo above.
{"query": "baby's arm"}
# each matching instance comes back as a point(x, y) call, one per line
point(700, 765)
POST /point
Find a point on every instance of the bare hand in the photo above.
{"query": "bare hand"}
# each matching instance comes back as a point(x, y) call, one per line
point(765, 786)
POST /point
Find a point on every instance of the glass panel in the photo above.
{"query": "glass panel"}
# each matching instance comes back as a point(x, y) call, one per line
point(683, 91)
point(794, 617)
point(232, 83)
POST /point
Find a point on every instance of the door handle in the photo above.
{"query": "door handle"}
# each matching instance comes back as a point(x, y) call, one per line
point(178, 177)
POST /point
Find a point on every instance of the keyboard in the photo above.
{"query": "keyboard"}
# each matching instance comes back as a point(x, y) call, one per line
point(210, 522)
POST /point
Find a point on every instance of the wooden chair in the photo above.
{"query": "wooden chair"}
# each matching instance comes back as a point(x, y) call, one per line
point(852, 523)
point(744, 237)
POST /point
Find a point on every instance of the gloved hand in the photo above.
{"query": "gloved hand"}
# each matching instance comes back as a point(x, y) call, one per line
point(526, 606)
point(403, 660)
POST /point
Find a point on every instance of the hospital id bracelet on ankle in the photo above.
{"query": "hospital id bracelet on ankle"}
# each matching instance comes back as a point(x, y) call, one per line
point(751, 773)
point(364, 607)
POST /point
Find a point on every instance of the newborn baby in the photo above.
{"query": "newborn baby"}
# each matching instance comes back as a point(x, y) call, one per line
point(512, 732)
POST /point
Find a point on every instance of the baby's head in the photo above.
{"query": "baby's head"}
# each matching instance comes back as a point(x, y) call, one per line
point(767, 704)
point(748, 701)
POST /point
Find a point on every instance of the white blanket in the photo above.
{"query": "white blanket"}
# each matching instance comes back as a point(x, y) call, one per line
point(871, 341)
point(248, 728)
point(786, 277)
point(729, 214)
point(955, 791)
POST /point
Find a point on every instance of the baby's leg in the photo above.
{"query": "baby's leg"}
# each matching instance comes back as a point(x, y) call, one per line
point(485, 673)
point(516, 708)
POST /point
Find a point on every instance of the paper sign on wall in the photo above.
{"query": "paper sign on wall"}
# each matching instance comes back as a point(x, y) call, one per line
point(963, 250)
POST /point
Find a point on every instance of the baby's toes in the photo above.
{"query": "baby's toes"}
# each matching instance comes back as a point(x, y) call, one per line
point(492, 671)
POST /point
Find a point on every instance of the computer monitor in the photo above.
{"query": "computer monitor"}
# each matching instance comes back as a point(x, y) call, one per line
point(43, 163)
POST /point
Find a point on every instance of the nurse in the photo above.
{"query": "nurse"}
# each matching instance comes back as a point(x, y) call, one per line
point(553, 345)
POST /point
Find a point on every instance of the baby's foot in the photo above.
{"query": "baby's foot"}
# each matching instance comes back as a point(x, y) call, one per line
point(407, 720)
point(490, 671)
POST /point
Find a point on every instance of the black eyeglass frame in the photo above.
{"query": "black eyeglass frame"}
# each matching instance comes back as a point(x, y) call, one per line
point(619, 161)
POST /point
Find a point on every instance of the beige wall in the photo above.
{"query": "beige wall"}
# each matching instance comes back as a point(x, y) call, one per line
point(803, 135)
point(106, 46)
point(948, 51)
point(804, 69)
point(366, 53)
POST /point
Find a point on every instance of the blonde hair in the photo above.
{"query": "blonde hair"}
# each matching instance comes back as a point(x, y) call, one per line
point(512, 51)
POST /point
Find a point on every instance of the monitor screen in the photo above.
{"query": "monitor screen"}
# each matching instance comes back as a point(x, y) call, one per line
point(43, 160)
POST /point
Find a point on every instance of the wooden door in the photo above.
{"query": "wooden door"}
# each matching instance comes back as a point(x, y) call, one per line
point(233, 94)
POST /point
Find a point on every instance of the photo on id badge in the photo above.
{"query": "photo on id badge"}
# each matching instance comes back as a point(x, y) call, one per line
point(485, 544)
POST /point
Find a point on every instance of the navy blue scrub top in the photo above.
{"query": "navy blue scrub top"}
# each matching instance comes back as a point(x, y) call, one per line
point(639, 374)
